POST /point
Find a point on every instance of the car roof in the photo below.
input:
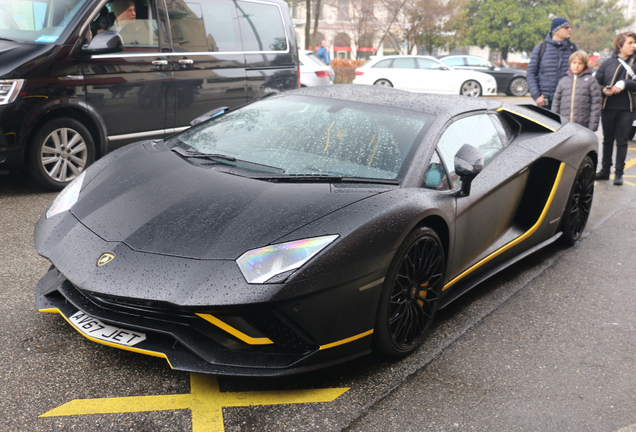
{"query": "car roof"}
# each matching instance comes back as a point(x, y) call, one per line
point(433, 104)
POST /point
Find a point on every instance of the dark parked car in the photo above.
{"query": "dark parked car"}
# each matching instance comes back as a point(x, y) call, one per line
point(309, 228)
point(74, 85)
point(509, 80)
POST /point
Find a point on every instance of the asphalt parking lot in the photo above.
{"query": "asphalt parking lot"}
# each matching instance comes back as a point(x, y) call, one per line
point(547, 345)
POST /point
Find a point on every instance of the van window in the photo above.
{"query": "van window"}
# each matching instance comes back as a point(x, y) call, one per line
point(36, 21)
point(261, 27)
point(204, 25)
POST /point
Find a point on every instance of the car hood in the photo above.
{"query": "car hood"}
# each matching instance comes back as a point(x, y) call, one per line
point(158, 202)
point(16, 56)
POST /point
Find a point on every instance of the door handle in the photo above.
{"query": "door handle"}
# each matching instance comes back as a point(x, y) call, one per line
point(184, 62)
point(158, 63)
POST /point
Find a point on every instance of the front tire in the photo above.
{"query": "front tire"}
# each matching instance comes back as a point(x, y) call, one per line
point(577, 210)
point(470, 88)
point(383, 83)
point(60, 150)
point(410, 294)
point(518, 87)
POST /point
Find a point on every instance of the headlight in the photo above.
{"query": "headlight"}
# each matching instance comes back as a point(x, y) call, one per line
point(67, 198)
point(260, 265)
point(9, 90)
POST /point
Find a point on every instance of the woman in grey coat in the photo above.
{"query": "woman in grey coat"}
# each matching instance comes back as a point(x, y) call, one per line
point(578, 95)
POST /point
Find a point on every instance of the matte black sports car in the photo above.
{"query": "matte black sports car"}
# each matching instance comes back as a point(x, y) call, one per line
point(308, 228)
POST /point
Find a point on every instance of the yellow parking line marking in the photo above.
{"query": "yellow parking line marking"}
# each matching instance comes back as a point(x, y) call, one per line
point(205, 401)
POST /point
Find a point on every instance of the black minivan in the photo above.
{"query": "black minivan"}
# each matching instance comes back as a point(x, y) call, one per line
point(80, 78)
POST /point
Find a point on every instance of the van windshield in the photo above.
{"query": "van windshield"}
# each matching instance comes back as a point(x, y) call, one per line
point(36, 21)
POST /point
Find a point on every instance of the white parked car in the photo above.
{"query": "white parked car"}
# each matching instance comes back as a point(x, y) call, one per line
point(424, 74)
point(313, 72)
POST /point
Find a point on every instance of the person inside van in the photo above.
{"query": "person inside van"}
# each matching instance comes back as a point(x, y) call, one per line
point(124, 12)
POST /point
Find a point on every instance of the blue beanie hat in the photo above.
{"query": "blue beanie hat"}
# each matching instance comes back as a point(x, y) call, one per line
point(557, 23)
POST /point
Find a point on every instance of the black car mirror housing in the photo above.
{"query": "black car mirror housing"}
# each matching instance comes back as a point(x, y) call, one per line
point(469, 162)
point(104, 43)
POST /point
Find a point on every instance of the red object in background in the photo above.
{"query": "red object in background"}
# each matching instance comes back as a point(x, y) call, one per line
point(367, 49)
point(359, 73)
point(594, 58)
point(341, 48)
point(323, 73)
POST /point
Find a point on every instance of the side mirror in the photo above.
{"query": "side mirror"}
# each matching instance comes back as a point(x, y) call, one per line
point(208, 115)
point(104, 43)
point(469, 162)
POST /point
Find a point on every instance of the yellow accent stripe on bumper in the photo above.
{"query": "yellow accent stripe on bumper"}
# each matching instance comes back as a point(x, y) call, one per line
point(110, 344)
point(518, 239)
point(234, 332)
point(345, 341)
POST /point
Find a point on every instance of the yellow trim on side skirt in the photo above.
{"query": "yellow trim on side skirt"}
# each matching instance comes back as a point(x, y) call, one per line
point(527, 118)
point(234, 332)
point(345, 341)
point(518, 239)
point(114, 345)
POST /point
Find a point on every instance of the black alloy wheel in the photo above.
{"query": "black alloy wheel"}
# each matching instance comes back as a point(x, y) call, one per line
point(579, 203)
point(409, 298)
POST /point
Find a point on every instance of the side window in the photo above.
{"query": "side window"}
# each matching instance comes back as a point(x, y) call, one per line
point(478, 131)
point(135, 21)
point(477, 62)
point(204, 26)
point(261, 27)
point(456, 61)
point(426, 63)
point(435, 177)
point(403, 63)
point(383, 64)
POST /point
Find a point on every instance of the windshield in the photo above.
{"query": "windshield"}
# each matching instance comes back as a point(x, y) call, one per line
point(312, 137)
point(36, 21)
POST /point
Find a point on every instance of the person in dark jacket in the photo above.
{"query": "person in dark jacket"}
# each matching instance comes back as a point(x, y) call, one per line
point(549, 62)
point(578, 96)
point(615, 76)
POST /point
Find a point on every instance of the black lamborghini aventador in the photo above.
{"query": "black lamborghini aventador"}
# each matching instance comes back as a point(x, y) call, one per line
point(310, 227)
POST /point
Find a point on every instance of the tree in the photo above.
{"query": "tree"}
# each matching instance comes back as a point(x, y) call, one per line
point(430, 23)
point(505, 25)
point(595, 23)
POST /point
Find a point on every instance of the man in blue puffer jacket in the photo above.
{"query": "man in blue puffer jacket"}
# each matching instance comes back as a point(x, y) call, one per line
point(549, 62)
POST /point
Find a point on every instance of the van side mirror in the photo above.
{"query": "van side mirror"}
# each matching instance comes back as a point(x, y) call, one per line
point(208, 115)
point(104, 43)
point(469, 162)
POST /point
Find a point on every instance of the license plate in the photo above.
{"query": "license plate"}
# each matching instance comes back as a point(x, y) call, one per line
point(95, 328)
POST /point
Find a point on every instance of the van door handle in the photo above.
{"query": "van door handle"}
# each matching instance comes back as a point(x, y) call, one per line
point(185, 62)
point(158, 63)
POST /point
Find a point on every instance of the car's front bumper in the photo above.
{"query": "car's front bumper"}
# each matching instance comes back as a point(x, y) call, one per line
point(222, 341)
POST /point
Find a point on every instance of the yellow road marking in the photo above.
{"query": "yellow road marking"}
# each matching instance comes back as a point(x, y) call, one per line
point(205, 401)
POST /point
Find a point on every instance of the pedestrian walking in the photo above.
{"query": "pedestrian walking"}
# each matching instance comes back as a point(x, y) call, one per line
point(616, 78)
point(549, 62)
point(578, 96)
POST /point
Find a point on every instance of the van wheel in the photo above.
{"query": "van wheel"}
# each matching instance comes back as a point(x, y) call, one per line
point(61, 149)
point(410, 294)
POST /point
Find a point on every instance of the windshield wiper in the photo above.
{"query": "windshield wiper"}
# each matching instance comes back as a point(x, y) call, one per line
point(225, 159)
point(328, 178)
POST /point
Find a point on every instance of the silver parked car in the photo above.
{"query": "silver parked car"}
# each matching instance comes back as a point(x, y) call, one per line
point(313, 72)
